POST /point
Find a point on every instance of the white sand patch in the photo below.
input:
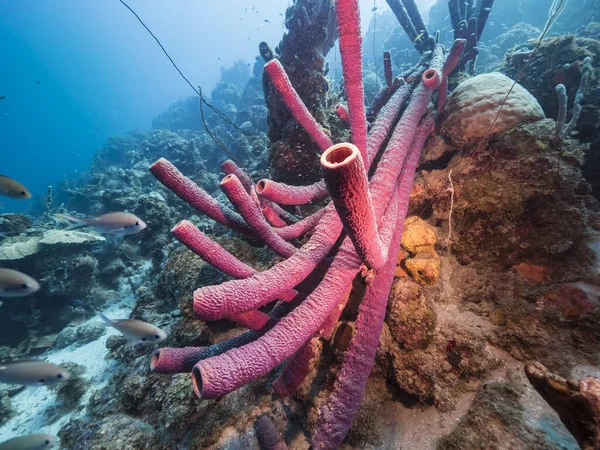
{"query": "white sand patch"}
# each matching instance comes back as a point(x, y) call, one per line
point(32, 404)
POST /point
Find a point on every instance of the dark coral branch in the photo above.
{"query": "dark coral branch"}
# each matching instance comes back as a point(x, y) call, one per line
point(417, 20)
point(455, 17)
point(401, 14)
point(482, 11)
point(387, 68)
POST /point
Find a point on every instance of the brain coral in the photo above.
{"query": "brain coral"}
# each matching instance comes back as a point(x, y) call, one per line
point(473, 106)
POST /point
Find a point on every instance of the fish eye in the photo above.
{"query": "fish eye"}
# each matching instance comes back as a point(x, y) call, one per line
point(25, 286)
point(47, 442)
point(143, 339)
point(23, 193)
point(125, 227)
point(43, 380)
point(157, 336)
point(137, 223)
point(60, 375)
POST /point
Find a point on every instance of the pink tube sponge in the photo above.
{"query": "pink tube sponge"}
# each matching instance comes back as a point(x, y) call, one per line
point(295, 105)
point(217, 376)
point(302, 227)
point(285, 194)
point(296, 369)
point(346, 179)
point(191, 193)
point(236, 296)
point(211, 252)
point(431, 79)
point(251, 213)
point(272, 217)
point(342, 113)
point(348, 20)
point(176, 360)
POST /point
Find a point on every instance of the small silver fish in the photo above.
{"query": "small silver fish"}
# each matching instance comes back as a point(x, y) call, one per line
point(30, 442)
point(16, 284)
point(13, 189)
point(117, 223)
point(32, 373)
point(136, 330)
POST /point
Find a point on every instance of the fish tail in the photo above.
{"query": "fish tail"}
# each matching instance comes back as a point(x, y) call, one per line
point(75, 222)
point(105, 319)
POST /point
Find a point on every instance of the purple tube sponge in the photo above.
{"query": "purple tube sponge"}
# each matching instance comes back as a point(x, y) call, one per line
point(346, 179)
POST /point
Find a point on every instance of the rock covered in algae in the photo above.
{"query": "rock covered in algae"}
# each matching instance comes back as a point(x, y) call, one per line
point(505, 414)
point(410, 316)
point(419, 239)
point(115, 432)
point(14, 223)
point(473, 106)
point(576, 402)
point(424, 267)
point(417, 235)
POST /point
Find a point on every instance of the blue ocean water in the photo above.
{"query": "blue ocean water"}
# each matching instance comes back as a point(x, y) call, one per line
point(101, 74)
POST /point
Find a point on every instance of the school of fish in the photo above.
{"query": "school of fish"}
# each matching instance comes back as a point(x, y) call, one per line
point(15, 284)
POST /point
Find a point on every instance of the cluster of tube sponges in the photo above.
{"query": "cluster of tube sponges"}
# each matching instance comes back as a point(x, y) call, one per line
point(368, 207)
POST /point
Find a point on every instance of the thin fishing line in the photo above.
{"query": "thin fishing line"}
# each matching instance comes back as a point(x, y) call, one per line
point(214, 109)
point(161, 46)
point(214, 136)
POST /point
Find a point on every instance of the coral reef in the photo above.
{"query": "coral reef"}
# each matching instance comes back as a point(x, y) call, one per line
point(557, 61)
point(371, 328)
point(359, 203)
point(69, 266)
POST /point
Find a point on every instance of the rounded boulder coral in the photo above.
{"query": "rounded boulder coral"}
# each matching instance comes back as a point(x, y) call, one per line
point(474, 104)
